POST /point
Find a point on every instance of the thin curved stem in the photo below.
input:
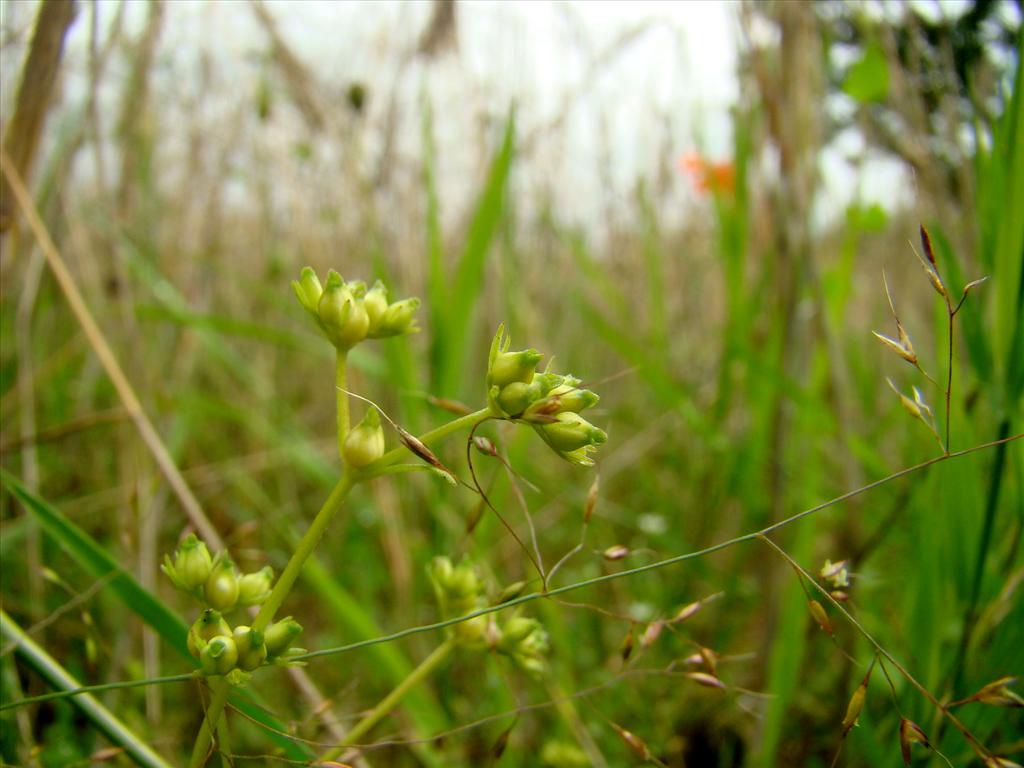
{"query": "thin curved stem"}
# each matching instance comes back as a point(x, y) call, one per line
point(693, 555)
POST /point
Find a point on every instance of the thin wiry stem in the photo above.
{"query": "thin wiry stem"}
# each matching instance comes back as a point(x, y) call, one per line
point(121, 685)
point(657, 564)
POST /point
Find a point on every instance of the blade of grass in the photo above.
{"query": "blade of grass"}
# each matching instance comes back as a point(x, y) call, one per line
point(105, 721)
point(466, 283)
point(95, 559)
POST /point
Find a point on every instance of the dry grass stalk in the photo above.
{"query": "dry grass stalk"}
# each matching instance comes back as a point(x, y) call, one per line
point(38, 77)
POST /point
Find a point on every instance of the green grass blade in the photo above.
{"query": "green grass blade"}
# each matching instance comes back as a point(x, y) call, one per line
point(94, 558)
point(105, 721)
point(467, 282)
point(91, 556)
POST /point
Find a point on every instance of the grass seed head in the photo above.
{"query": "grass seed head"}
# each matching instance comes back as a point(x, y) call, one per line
point(706, 679)
point(855, 705)
point(911, 733)
point(615, 552)
point(820, 616)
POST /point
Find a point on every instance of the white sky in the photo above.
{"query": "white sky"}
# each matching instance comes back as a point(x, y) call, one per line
point(666, 92)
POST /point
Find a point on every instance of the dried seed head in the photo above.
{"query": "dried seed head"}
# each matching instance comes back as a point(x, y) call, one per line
point(903, 347)
point(687, 611)
point(633, 741)
point(418, 447)
point(626, 648)
point(615, 552)
point(707, 680)
point(484, 446)
point(820, 616)
point(929, 265)
point(911, 733)
point(855, 705)
point(972, 284)
point(1000, 762)
point(998, 694)
point(926, 243)
point(501, 743)
point(838, 574)
point(652, 633)
point(710, 659)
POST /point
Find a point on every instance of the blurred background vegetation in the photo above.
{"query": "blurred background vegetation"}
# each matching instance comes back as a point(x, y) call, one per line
point(714, 276)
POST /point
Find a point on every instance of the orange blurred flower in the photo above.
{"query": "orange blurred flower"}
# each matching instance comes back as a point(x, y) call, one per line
point(708, 177)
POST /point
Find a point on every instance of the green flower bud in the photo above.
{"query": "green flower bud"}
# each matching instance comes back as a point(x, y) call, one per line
point(342, 314)
point(376, 303)
point(516, 629)
point(519, 366)
point(504, 367)
point(221, 588)
point(209, 625)
point(308, 290)
point(397, 319)
point(516, 397)
point(219, 656)
point(364, 444)
point(572, 398)
point(252, 651)
point(191, 566)
point(527, 643)
point(280, 635)
point(572, 437)
point(459, 591)
point(254, 588)
point(440, 571)
point(549, 381)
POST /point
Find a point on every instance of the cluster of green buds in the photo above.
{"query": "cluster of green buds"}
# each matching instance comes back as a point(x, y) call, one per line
point(461, 591)
point(526, 642)
point(548, 401)
point(223, 650)
point(348, 312)
point(217, 583)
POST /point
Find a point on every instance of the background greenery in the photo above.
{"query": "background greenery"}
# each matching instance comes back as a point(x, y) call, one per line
point(739, 384)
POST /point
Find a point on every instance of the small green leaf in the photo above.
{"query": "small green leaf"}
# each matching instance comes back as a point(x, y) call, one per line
point(867, 80)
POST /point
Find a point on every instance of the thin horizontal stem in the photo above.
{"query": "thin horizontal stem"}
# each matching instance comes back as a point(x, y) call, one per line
point(655, 565)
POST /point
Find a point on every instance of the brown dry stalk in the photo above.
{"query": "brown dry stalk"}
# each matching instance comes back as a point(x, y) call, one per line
point(300, 80)
point(21, 139)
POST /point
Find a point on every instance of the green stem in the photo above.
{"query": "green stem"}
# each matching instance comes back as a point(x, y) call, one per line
point(341, 391)
point(389, 702)
point(220, 688)
point(303, 550)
